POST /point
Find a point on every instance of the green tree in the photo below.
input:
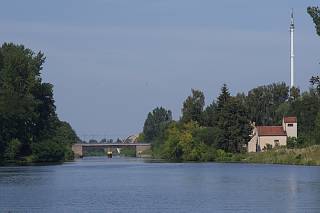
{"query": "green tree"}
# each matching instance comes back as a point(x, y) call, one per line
point(224, 97)
point(233, 122)
point(306, 109)
point(171, 149)
point(208, 117)
point(193, 107)
point(27, 111)
point(182, 144)
point(317, 129)
point(315, 81)
point(19, 75)
point(208, 135)
point(314, 12)
point(294, 93)
point(156, 122)
point(263, 102)
point(234, 125)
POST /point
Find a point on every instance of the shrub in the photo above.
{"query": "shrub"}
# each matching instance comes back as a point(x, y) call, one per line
point(12, 150)
point(221, 155)
point(292, 143)
point(128, 152)
point(48, 151)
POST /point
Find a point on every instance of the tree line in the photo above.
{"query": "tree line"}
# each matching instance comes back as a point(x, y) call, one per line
point(30, 130)
point(223, 127)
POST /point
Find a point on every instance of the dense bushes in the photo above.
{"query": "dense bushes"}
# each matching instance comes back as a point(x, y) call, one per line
point(12, 150)
point(47, 151)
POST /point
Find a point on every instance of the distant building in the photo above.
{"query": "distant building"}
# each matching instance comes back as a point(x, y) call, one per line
point(264, 137)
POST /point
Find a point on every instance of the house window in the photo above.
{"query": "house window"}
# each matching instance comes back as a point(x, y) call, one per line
point(290, 125)
point(276, 143)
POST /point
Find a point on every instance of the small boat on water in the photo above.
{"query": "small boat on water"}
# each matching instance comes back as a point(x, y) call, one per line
point(109, 154)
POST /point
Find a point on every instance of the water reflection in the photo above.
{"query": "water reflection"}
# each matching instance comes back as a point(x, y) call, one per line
point(133, 185)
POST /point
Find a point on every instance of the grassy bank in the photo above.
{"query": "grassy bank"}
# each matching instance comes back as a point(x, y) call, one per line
point(298, 156)
point(303, 156)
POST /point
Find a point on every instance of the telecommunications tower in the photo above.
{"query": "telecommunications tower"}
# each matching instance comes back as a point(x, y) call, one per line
point(291, 51)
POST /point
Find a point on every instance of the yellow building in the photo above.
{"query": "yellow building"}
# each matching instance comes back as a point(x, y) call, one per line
point(264, 137)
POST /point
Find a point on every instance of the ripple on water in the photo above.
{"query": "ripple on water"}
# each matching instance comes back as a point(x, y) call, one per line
point(100, 184)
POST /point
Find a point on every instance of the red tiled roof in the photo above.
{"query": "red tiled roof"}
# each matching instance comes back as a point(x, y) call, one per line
point(290, 119)
point(271, 131)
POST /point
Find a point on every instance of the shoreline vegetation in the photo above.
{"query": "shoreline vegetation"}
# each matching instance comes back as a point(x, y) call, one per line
point(221, 130)
point(308, 156)
point(31, 131)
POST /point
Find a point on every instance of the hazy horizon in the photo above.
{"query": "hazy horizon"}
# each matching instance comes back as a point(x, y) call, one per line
point(111, 62)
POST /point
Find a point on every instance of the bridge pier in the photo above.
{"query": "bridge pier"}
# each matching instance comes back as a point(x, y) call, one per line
point(77, 150)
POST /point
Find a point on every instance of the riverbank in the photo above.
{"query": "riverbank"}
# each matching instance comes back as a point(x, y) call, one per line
point(308, 156)
point(303, 156)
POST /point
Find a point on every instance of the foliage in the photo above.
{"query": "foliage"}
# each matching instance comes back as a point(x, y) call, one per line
point(193, 107)
point(12, 150)
point(306, 109)
point(221, 130)
point(208, 115)
point(317, 129)
point(292, 143)
point(94, 152)
point(128, 152)
point(181, 144)
point(264, 101)
point(314, 12)
point(140, 138)
point(300, 156)
point(48, 151)
point(103, 140)
point(27, 110)
point(225, 126)
point(315, 81)
point(93, 141)
point(156, 122)
point(294, 93)
point(233, 122)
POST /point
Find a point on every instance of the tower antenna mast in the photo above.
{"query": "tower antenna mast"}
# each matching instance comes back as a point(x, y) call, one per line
point(291, 51)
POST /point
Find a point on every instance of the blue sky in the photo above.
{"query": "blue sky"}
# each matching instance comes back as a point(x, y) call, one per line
point(113, 61)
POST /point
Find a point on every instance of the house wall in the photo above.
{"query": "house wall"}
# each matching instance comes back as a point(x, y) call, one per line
point(252, 144)
point(292, 131)
point(264, 140)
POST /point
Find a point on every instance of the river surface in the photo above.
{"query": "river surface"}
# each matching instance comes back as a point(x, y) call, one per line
point(100, 184)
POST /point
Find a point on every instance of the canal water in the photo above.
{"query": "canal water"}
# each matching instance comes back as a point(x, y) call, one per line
point(100, 184)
